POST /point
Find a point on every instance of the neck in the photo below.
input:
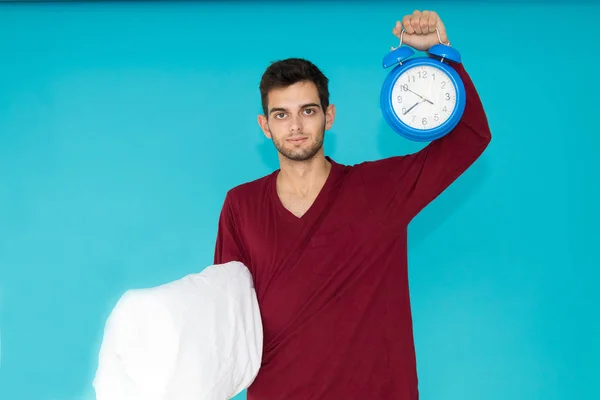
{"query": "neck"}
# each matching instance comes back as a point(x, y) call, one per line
point(303, 178)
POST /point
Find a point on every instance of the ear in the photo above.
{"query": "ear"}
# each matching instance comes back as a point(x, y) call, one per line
point(264, 125)
point(329, 116)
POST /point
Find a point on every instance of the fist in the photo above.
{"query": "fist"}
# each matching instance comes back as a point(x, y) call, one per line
point(420, 30)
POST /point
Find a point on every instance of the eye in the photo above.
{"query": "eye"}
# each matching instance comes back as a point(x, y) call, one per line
point(309, 111)
point(279, 115)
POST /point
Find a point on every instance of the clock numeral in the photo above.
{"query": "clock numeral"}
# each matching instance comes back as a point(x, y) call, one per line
point(414, 116)
point(403, 110)
point(445, 109)
point(436, 117)
point(424, 121)
point(422, 74)
point(409, 79)
point(404, 87)
point(433, 74)
point(399, 98)
point(447, 96)
point(443, 85)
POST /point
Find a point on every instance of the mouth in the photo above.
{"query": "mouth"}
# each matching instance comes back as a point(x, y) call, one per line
point(297, 140)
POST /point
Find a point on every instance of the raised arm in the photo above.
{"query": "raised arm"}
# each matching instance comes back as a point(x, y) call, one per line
point(401, 186)
point(431, 170)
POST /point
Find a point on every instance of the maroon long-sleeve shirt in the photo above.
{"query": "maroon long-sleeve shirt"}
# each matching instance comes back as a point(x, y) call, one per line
point(332, 285)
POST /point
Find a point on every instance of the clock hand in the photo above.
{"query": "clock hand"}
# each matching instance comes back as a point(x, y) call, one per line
point(414, 105)
point(423, 98)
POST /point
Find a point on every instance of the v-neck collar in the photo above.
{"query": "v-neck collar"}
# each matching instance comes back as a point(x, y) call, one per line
point(317, 206)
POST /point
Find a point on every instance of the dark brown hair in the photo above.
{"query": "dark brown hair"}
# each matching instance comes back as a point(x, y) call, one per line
point(286, 72)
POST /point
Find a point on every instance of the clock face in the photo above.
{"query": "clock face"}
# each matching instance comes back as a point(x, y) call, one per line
point(424, 97)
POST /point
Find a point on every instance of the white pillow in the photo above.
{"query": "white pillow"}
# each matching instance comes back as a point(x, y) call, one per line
point(199, 337)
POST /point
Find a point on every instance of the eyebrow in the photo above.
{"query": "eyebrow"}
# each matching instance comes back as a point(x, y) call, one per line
point(278, 109)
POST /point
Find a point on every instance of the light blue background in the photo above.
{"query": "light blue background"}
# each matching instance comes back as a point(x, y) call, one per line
point(122, 125)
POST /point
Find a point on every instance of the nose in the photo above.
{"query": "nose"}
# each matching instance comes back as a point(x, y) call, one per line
point(296, 125)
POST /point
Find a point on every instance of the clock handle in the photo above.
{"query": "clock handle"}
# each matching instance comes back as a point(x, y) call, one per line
point(400, 45)
point(440, 39)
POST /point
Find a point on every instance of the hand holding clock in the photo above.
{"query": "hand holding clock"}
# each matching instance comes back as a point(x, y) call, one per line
point(420, 30)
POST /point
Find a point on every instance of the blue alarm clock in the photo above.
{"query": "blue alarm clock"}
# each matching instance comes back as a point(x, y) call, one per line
point(422, 98)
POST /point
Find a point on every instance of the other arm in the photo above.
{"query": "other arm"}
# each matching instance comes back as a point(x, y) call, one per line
point(228, 245)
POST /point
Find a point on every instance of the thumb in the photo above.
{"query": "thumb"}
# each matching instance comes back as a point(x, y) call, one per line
point(397, 30)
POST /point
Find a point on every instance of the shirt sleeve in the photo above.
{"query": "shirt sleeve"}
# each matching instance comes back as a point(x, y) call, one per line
point(228, 245)
point(401, 186)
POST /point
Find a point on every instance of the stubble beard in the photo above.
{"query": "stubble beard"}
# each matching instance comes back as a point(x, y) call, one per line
point(300, 154)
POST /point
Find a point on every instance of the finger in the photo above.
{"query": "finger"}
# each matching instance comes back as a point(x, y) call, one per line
point(415, 21)
point(432, 21)
point(442, 29)
point(424, 21)
point(406, 22)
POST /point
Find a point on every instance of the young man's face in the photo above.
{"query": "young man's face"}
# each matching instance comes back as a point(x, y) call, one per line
point(296, 122)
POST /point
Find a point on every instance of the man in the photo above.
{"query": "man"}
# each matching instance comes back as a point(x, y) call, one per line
point(326, 243)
